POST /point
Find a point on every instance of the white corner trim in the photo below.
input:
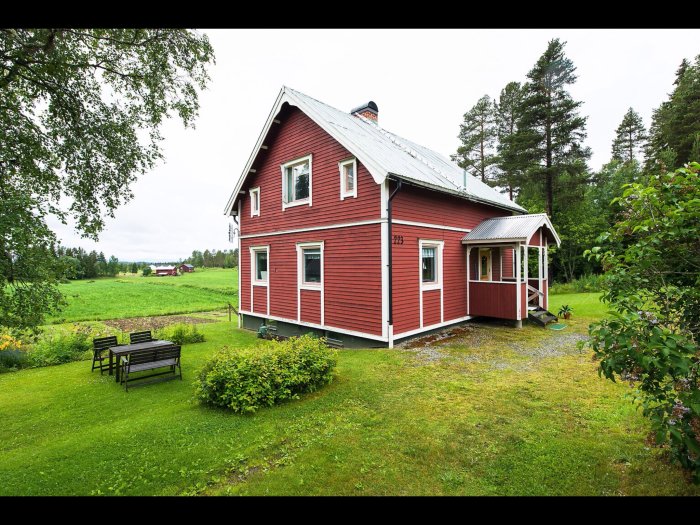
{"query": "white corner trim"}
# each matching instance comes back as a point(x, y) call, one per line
point(424, 287)
point(253, 211)
point(387, 330)
point(347, 194)
point(240, 260)
point(294, 162)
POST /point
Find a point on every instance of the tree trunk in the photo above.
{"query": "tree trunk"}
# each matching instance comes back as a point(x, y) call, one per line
point(481, 144)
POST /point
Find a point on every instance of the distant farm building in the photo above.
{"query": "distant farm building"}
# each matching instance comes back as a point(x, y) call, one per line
point(165, 270)
point(186, 268)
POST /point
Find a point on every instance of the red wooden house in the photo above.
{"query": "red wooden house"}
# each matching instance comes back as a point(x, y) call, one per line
point(353, 232)
point(186, 268)
point(165, 270)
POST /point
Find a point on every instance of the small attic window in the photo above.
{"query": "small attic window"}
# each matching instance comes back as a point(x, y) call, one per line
point(348, 179)
point(255, 201)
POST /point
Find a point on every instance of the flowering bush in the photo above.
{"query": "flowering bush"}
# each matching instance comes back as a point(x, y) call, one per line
point(13, 353)
point(653, 284)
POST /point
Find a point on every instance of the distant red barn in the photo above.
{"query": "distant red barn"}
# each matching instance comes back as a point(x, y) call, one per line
point(355, 233)
point(186, 268)
point(165, 270)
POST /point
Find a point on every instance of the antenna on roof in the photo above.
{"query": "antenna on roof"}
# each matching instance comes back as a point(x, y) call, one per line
point(464, 172)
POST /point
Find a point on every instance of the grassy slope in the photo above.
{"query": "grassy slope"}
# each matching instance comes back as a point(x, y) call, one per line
point(144, 296)
point(487, 419)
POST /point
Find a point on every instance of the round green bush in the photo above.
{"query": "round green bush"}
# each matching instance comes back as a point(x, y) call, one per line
point(244, 380)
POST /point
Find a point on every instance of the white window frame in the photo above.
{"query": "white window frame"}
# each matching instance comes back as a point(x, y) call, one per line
point(291, 163)
point(254, 262)
point(341, 165)
point(253, 211)
point(300, 265)
point(438, 245)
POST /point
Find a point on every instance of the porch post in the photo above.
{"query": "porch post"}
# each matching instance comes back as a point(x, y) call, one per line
point(469, 249)
point(500, 258)
point(540, 297)
point(546, 270)
point(519, 322)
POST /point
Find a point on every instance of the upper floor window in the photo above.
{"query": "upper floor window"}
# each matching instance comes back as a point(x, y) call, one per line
point(348, 179)
point(254, 201)
point(296, 182)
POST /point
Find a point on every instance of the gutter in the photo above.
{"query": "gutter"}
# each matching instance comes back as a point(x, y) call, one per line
point(390, 251)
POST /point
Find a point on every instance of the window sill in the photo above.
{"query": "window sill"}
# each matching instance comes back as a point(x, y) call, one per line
point(348, 196)
point(295, 203)
point(310, 286)
point(259, 283)
point(430, 286)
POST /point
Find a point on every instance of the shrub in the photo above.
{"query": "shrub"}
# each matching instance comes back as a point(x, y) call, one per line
point(180, 334)
point(13, 353)
point(245, 380)
point(585, 283)
point(147, 271)
point(62, 347)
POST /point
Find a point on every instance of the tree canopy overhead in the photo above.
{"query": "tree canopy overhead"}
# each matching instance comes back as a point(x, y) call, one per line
point(81, 114)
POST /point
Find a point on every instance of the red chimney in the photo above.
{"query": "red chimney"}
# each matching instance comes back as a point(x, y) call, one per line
point(369, 110)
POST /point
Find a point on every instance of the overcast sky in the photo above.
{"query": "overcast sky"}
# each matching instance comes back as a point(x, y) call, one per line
point(422, 80)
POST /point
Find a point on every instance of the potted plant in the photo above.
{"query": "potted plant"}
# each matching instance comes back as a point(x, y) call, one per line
point(565, 311)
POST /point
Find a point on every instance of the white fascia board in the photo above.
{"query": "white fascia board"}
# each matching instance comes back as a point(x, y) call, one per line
point(377, 172)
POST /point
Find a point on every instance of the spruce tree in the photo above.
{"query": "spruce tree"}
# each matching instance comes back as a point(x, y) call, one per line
point(675, 127)
point(630, 137)
point(507, 111)
point(550, 130)
point(478, 135)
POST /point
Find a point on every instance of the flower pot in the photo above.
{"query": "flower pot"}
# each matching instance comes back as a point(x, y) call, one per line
point(567, 315)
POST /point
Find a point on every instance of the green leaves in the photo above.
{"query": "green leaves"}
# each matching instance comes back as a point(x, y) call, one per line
point(653, 282)
point(80, 121)
point(246, 380)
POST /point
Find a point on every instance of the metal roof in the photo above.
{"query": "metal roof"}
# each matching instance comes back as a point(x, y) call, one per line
point(514, 228)
point(383, 153)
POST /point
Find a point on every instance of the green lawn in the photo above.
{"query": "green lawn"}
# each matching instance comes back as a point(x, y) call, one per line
point(137, 296)
point(503, 411)
point(586, 305)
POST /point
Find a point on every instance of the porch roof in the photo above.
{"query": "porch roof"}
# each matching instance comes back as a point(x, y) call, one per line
point(516, 228)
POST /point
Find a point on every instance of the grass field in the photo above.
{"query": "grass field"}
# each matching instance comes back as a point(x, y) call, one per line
point(501, 411)
point(137, 296)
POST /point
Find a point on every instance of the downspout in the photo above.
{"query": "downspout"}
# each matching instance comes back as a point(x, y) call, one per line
point(389, 248)
point(238, 227)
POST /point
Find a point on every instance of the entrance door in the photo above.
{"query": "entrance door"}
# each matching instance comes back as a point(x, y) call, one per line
point(485, 264)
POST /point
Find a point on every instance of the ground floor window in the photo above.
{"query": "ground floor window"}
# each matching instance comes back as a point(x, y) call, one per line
point(430, 253)
point(310, 264)
point(259, 256)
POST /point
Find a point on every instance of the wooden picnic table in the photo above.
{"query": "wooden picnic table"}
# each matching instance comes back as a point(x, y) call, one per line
point(118, 351)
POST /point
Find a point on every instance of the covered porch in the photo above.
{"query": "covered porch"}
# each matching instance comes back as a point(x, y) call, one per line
point(507, 266)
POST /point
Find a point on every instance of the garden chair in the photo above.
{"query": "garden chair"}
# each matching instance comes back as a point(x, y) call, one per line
point(100, 345)
point(140, 337)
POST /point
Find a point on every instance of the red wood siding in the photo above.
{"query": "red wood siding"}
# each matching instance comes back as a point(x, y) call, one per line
point(493, 300)
point(406, 278)
point(295, 137)
point(508, 254)
point(352, 274)
point(431, 307)
point(422, 205)
point(523, 301)
point(260, 299)
point(535, 239)
point(311, 306)
point(545, 299)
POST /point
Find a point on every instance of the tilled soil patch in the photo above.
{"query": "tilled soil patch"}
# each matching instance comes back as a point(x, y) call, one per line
point(133, 324)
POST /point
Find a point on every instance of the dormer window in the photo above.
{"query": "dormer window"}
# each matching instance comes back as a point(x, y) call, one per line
point(255, 201)
point(348, 179)
point(296, 182)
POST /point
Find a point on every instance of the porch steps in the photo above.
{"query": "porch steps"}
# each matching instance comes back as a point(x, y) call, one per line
point(541, 316)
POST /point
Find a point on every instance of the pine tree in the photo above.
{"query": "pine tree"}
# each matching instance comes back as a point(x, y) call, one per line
point(675, 125)
point(478, 135)
point(550, 131)
point(507, 111)
point(630, 137)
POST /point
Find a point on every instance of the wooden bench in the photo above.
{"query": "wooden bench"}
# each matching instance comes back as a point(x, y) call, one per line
point(151, 359)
